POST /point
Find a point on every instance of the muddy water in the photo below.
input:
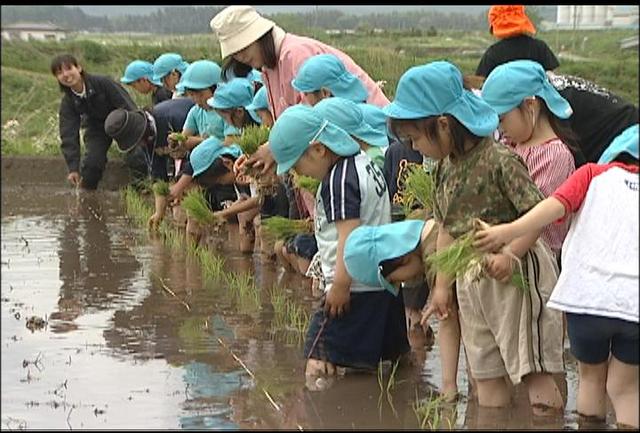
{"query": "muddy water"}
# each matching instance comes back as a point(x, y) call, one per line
point(134, 338)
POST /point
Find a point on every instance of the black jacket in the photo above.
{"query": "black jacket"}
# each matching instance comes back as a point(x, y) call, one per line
point(103, 96)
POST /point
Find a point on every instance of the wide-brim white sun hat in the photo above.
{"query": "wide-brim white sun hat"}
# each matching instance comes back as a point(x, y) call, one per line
point(237, 27)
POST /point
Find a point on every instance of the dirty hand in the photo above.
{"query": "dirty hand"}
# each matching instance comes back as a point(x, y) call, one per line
point(499, 267)
point(154, 221)
point(440, 304)
point(262, 158)
point(492, 239)
point(74, 178)
point(175, 194)
point(337, 301)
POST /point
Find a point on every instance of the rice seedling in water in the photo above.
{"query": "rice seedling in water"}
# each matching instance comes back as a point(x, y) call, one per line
point(197, 207)
point(430, 410)
point(252, 138)
point(305, 182)
point(277, 227)
point(244, 291)
point(419, 188)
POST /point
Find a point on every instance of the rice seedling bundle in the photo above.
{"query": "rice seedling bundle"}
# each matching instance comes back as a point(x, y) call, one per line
point(419, 188)
point(305, 182)
point(161, 188)
point(253, 137)
point(278, 227)
point(196, 206)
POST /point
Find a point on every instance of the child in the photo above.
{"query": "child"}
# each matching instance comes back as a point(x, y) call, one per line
point(168, 70)
point(598, 285)
point(260, 106)
point(530, 110)
point(392, 255)
point(229, 102)
point(323, 76)
point(139, 75)
point(358, 325)
point(348, 116)
point(477, 177)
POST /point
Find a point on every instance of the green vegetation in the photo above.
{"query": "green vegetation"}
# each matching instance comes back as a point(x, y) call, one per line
point(253, 136)
point(31, 96)
point(419, 189)
point(161, 188)
point(197, 207)
point(278, 227)
point(305, 182)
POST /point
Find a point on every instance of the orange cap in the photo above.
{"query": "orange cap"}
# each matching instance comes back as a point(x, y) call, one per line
point(509, 20)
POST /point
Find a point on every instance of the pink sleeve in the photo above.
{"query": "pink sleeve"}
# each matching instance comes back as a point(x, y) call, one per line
point(573, 191)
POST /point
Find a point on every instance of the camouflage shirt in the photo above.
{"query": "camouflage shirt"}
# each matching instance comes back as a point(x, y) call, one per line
point(490, 182)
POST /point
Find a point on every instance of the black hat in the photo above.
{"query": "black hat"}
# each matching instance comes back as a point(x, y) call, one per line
point(126, 127)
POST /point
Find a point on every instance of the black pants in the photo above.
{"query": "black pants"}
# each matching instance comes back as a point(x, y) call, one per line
point(97, 144)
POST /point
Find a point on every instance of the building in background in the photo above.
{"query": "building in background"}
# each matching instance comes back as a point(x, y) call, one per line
point(586, 17)
point(33, 31)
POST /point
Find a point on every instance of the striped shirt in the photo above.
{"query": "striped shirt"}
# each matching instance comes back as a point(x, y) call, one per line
point(354, 188)
point(549, 165)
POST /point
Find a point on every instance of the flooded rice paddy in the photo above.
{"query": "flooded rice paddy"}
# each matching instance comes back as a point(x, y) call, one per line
point(104, 326)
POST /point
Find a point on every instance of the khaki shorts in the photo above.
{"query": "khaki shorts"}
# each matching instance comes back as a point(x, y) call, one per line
point(508, 331)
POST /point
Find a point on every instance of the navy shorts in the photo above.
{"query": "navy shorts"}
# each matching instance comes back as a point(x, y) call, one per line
point(415, 295)
point(593, 338)
point(373, 329)
point(304, 246)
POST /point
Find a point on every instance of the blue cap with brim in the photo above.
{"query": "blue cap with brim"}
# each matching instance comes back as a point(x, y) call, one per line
point(348, 116)
point(235, 93)
point(510, 83)
point(167, 63)
point(367, 247)
point(139, 69)
point(627, 142)
point(260, 101)
point(327, 70)
point(297, 127)
point(205, 153)
point(255, 76)
point(375, 117)
point(435, 89)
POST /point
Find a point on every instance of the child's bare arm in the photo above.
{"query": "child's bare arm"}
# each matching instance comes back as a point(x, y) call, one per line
point(544, 213)
point(337, 300)
point(239, 206)
point(441, 296)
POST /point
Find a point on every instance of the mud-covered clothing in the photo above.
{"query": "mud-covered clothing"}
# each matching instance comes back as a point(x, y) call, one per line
point(521, 47)
point(160, 94)
point(168, 116)
point(598, 116)
point(549, 164)
point(354, 188)
point(101, 96)
point(490, 182)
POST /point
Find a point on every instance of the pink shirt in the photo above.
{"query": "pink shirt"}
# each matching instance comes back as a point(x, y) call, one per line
point(294, 51)
point(549, 164)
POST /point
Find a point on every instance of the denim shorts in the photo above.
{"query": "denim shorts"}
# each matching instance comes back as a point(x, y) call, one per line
point(373, 329)
point(593, 338)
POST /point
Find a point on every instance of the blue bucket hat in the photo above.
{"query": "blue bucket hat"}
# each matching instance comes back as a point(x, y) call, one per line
point(348, 116)
point(375, 117)
point(167, 63)
point(260, 101)
point(199, 75)
point(625, 142)
point(297, 127)
point(255, 76)
point(205, 153)
point(367, 247)
point(139, 69)
point(435, 89)
point(327, 70)
point(235, 93)
point(510, 83)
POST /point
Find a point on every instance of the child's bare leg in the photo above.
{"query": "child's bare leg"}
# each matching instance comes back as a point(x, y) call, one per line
point(316, 367)
point(622, 388)
point(493, 392)
point(543, 392)
point(449, 343)
point(591, 399)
